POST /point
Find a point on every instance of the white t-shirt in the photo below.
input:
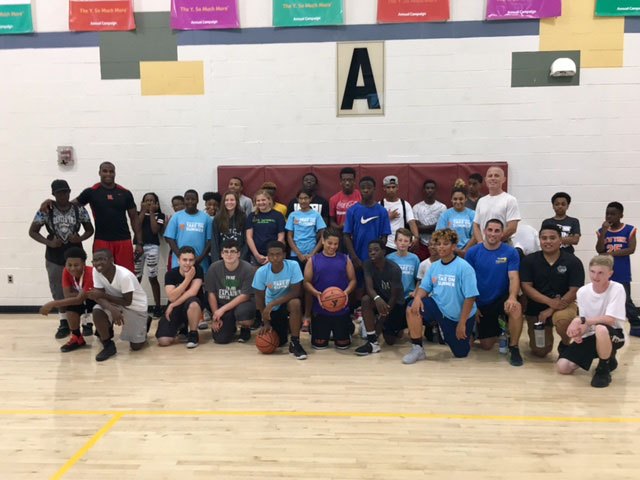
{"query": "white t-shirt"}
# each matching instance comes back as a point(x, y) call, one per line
point(397, 222)
point(428, 215)
point(423, 268)
point(610, 303)
point(504, 207)
point(526, 238)
point(246, 204)
point(124, 281)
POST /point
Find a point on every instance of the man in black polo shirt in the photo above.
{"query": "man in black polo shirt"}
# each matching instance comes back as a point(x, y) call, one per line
point(110, 204)
point(550, 279)
point(319, 204)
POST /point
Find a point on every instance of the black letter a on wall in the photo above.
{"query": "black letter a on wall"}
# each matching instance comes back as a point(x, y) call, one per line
point(352, 91)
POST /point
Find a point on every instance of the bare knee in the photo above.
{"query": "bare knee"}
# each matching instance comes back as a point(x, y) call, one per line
point(565, 367)
point(194, 307)
point(136, 346)
point(487, 343)
point(165, 341)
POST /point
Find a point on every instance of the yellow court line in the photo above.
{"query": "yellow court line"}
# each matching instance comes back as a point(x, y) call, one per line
point(86, 447)
point(425, 416)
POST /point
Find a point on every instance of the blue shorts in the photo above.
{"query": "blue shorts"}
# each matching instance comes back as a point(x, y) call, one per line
point(432, 314)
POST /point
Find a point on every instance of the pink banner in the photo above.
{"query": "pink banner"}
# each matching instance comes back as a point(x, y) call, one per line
point(521, 9)
point(204, 14)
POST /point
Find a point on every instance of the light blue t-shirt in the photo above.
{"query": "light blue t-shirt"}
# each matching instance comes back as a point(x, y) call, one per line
point(305, 227)
point(450, 285)
point(277, 285)
point(492, 270)
point(409, 266)
point(461, 222)
point(190, 230)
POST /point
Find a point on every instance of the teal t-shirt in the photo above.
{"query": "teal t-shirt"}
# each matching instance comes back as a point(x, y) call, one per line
point(277, 285)
point(461, 222)
point(305, 227)
point(409, 266)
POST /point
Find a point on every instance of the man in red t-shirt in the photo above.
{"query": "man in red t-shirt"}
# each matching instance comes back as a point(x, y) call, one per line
point(344, 199)
point(77, 280)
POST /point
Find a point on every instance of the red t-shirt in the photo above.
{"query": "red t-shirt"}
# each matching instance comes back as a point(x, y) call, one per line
point(340, 203)
point(86, 280)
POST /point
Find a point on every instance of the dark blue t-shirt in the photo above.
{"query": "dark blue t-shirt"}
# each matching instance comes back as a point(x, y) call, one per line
point(266, 227)
point(492, 270)
point(366, 224)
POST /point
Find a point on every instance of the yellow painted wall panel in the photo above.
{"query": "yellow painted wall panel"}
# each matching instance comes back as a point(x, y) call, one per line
point(599, 39)
point(172, 78)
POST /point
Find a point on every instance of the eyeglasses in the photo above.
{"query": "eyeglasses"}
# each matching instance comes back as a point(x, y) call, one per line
point(229, 252)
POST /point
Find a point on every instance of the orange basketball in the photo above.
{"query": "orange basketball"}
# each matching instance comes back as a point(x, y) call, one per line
point(267, 342)
point(333, 299)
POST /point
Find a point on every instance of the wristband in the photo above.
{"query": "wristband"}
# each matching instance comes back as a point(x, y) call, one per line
point(583, 320)
point(376, 297)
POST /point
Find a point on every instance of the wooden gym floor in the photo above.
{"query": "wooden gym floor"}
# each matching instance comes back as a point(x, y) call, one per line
point(226, 411)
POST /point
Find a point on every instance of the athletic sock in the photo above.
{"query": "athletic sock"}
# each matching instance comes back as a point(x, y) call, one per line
point(513, 347)
point(295, 339)
point(417, 341)
point(372, 337)
point(63, 319)
point(76, 332)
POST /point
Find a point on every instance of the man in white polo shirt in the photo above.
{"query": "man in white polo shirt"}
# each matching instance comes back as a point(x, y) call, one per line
point(498, 204)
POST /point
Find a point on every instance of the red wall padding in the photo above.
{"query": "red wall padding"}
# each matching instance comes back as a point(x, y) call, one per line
point(411, 177)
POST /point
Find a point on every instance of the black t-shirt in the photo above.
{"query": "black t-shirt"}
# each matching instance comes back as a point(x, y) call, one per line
point(109, 207)
point(550, 280)
point(568, 226)
point(175, 278)
point(385, 280)
point(318, 204)
point(148, 237)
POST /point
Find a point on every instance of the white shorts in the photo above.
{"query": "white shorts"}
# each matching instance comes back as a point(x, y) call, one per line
point(134, 329)
point(150, 257)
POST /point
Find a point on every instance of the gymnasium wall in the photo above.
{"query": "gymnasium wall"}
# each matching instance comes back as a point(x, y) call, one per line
point(270, 98)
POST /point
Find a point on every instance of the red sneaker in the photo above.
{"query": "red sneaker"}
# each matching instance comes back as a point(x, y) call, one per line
point(73, 344)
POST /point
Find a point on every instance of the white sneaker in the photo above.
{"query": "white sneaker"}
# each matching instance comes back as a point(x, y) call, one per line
point(416, 354)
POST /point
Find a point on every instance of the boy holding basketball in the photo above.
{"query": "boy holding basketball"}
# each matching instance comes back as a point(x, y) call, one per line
point(327, 269)
point(384, 295)
point(278, 288)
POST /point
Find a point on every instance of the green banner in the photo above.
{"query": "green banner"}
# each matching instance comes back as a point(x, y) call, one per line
point(288, 13)
point(15, 17)
point(617, 8)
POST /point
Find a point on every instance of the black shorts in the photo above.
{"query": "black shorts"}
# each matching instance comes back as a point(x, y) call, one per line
point(280, 323)
point(396, 321)
point(169, 328)
point(244, 311)
point(86, 307)
point(582, 354)
point(488, 325)
point(323, 325)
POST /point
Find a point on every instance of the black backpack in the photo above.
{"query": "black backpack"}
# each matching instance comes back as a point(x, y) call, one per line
point(404, 211)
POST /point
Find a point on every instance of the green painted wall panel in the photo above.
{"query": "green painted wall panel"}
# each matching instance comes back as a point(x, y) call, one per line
point(531, 69)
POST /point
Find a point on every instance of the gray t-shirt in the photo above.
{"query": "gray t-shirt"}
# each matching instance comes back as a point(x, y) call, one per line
point(385, 280)
point(568, 226)
point(227, 285)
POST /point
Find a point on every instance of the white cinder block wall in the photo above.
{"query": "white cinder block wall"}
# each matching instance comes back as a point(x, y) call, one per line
point(447, 101)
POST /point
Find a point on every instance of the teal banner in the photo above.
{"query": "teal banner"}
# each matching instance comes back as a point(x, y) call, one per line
point(15, 17)
point(288, 13)
point(617, 8)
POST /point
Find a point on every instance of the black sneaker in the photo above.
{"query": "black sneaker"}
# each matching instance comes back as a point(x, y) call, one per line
point(515, 358)
point(87, 330)
point(193, 339)
point(257, 324)
point(297, 351)
point(602, 377)
point(108, 350)
point(63, 331)
point(245, 335)
point(73, 344)
point(368, 348)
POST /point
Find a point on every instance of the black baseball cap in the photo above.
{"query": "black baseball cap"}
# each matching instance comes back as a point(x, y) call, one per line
point(59, 186)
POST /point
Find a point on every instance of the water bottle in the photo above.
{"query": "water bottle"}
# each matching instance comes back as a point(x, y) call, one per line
point(539, 334)
point(504, 343)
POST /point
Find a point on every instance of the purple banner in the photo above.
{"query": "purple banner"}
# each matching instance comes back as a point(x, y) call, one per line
point(518, 9)
point(204, 14)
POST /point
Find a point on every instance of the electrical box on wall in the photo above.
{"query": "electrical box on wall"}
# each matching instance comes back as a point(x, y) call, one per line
point(65, 156)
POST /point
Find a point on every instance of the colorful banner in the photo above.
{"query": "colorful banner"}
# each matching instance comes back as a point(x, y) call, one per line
point(617, 8)
point(204, 14)
point(298, 13)
point(100, 15)
point(15, 16)
point(412, 11)
point(519, 9)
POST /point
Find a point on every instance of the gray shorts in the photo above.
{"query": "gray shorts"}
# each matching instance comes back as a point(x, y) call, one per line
point(54, 271)
point(134, 329)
